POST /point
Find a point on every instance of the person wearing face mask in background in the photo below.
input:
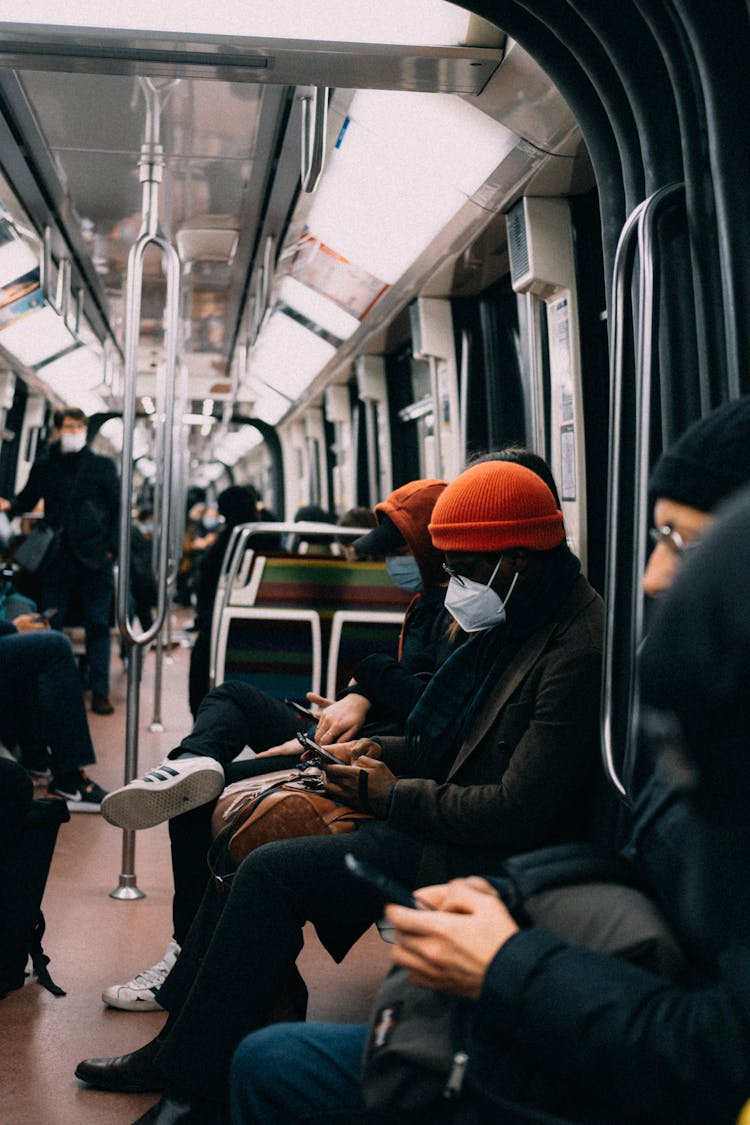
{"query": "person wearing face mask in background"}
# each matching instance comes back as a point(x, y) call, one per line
point(498, 755)
point(81, 495)
point(384, 688)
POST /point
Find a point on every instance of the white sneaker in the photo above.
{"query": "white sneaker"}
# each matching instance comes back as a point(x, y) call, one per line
point(174, 787)
point(138, 994)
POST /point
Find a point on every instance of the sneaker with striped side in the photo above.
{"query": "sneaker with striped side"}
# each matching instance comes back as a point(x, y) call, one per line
point(176, 786)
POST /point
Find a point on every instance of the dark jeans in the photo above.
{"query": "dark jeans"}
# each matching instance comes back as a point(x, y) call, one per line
point(242, 945)
point(94, 589)
point(301, 1072)
point(43, 662)
point(231, 717)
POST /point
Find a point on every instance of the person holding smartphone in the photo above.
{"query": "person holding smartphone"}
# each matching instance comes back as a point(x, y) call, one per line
point(497, 755)
point(234, 715)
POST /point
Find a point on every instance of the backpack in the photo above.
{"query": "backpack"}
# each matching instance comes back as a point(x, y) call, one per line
point(28, 841)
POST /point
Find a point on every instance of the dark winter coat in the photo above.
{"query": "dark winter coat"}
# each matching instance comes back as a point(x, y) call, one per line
point(81, 495)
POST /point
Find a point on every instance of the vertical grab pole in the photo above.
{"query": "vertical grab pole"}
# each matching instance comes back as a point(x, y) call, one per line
point(151, 164)
point(620, 282)
point(642, 222)
point(645, 358)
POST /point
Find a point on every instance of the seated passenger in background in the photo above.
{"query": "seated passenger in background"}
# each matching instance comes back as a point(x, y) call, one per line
point(235, 715)
point(354, 517)
point(304, 544)
point(498, 754)
point(237, 504)
point(38, 660)
point(573, 1030)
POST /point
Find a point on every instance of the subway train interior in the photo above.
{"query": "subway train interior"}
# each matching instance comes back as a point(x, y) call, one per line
point(326, 249)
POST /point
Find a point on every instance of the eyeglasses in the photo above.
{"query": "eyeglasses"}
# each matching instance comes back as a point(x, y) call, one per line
point(667, 534)
point(462, 579)
point(454, 574)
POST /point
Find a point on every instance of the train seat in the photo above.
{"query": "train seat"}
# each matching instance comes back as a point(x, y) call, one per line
point(302, 615)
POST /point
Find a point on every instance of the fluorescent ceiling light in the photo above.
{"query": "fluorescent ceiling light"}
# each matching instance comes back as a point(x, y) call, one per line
point(16, 260)
point(266, 403)
point(404, 166)
point(425, 22)
point(317, 309)
point(287, 356)
point(37, 336)
point(237, 444)
point(74, 375)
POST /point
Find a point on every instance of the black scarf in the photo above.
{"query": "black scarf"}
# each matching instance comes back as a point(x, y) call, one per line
point(447, 709)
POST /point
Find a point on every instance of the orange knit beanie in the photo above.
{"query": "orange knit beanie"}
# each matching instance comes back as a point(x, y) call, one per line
point(496, 505)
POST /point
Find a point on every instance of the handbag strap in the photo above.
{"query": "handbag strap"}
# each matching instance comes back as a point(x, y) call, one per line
point(220, 846)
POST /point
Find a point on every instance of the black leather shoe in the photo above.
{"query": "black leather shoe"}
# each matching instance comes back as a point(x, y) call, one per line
point(177, 1108)
point(125, 1074)
point(101, 705)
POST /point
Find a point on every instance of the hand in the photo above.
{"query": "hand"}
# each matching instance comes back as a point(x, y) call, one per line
point(29, 623)
point(4, 504)
point(342, 720)
point(342, 782)
point(292, 746)
point(451, 948)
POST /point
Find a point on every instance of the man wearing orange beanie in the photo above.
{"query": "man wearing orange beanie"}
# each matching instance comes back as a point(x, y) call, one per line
point(497, 757)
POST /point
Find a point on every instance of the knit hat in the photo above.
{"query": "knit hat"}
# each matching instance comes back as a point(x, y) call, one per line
point(495, 505)
point(403, 519)
point(709, 462)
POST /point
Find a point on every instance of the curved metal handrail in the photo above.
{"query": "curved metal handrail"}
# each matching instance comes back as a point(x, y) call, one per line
point(642, 222)
point(621, 278)
point(645, 359)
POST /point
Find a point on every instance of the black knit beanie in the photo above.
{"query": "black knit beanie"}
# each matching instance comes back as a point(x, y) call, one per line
point(709, 462)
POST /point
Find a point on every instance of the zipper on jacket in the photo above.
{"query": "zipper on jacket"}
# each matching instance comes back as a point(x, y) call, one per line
point(456, 1075)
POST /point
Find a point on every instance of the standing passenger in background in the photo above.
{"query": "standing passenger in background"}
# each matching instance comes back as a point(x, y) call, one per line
point(81, 496)
point(237, 504)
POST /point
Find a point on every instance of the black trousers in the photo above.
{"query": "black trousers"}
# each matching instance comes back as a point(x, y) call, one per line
point(243, 944)
point(231, 717)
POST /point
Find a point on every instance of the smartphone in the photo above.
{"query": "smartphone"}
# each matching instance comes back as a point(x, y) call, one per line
point(321, 752)
point(305, 712)
point(391, 891)
point(46, 615)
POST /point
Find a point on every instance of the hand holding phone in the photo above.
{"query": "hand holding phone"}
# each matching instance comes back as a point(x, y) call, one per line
point(320, 752)
point(304, 712)
point(390, 890)
point(46, 615)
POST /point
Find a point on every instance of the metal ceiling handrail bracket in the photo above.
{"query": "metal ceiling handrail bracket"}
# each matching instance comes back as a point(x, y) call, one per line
point(54, 300)
point(151, 166)
point(642, 222)
point(314, 125)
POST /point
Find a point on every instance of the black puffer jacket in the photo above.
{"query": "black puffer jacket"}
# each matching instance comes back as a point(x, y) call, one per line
point(81, 494)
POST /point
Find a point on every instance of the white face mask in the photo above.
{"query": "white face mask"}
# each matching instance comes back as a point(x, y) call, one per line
point(72, 443)
point(404, 572)
point(475, 606)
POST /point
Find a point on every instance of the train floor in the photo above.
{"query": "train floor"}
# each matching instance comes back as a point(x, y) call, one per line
point(94, 940)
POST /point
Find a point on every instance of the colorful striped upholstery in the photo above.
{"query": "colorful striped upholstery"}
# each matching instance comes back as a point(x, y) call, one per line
point(294, 600)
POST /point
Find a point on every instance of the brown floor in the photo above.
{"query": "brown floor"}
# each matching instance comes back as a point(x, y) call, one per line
point(94, 940)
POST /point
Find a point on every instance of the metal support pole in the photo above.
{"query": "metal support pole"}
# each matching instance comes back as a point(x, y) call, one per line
point(151, 166)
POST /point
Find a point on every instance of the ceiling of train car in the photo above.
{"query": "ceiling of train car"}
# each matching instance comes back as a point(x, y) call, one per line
point(230, 127)
point(210, 134)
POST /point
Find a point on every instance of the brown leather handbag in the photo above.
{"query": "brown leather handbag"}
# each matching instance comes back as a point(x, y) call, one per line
point(280, 806)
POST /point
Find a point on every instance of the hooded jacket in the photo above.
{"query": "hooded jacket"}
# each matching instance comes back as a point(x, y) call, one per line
point(395, 685)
